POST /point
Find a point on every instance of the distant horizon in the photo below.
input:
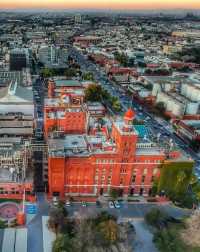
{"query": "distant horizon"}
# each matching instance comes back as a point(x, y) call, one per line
point(108, 10)
point(115, 5)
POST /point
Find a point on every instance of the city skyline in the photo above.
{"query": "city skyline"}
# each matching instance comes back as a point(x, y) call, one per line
point(103, 4)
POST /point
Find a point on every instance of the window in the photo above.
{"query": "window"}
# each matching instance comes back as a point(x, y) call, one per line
point(122, 170)
point(133, 179)
point(145, 171)
point(143, 178)
point(155, 171)
point(125, 160)
point(109, 180)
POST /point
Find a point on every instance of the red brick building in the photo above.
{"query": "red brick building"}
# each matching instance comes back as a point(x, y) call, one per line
point(63, 109)
point(89, 158)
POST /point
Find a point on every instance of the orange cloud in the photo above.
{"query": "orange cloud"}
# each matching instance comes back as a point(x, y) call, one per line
point(108, 4)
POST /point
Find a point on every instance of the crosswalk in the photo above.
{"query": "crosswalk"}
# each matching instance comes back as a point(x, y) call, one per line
point(14, 240)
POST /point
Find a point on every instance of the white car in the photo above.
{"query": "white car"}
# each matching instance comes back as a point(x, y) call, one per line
point(55, 201)
point(116, 204)
point(111, 204)
point(67, 204)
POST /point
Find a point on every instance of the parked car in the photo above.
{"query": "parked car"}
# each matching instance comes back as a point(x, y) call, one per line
point(67, 203)
point(116, 204)
point(55, 201)
point(83, 204)
point(111, 204)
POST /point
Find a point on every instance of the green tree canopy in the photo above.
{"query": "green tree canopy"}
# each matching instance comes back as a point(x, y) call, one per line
point(175, 178)
point(93, 93)
point(109, 230)
point(56, 219)
point(88, 76)
point(121, 58)
point(63, 243)
point(114, 193)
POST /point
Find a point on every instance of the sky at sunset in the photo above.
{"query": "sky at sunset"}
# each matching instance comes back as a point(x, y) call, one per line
point(101, 4)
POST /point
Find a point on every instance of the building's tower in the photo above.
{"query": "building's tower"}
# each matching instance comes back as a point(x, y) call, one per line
point(125, 138)
point(51, 89)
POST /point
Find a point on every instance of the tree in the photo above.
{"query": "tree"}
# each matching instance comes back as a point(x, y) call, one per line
point(121, 58)
point(175, 178)
point(103, 216)
point(114, 193)
point(93, 93)
point(61, 207)
point(56, 220)
point(47, 72)
point(109, 230)
point(116, 105)
point(191, 234)
point(191, 54)
point(70, 72)
point(63, 243)
point(156, 218)
point(88, 76)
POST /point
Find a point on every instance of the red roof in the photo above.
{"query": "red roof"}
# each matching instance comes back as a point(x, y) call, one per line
point(153, 65)
point(122, 70)
point(130, 114)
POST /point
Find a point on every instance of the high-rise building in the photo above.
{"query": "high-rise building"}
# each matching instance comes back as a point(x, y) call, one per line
point(78, 19)
point(52, 55)
point(19, 59)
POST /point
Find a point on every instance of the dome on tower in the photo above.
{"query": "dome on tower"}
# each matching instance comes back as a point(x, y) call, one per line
point(129, 115)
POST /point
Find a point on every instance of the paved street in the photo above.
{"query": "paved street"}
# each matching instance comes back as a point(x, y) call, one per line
point(130, 210)
point(156, 125)
point(35, 236)
point(133, 212)
point(144, 238)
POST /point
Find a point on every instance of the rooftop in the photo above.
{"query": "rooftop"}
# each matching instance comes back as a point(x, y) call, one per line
point(68, 83)
point(16, 94)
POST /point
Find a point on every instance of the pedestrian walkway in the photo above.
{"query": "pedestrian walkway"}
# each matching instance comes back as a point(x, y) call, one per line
point(48, 236)
point(14, 240)
point(144, 238)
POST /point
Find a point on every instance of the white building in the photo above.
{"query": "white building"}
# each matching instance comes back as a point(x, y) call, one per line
point(52, 55)
point(16, 99)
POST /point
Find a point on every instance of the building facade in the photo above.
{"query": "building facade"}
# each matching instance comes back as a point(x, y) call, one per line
point(100, 157)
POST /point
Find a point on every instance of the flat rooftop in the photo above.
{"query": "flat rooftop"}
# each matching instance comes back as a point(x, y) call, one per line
point(68, 83)
point(156, 151)
point(195, 124)
point(120, 126)
point(16, 131)
point(68, 142)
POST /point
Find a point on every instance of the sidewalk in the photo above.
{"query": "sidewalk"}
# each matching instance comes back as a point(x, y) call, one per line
point(48, 236)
